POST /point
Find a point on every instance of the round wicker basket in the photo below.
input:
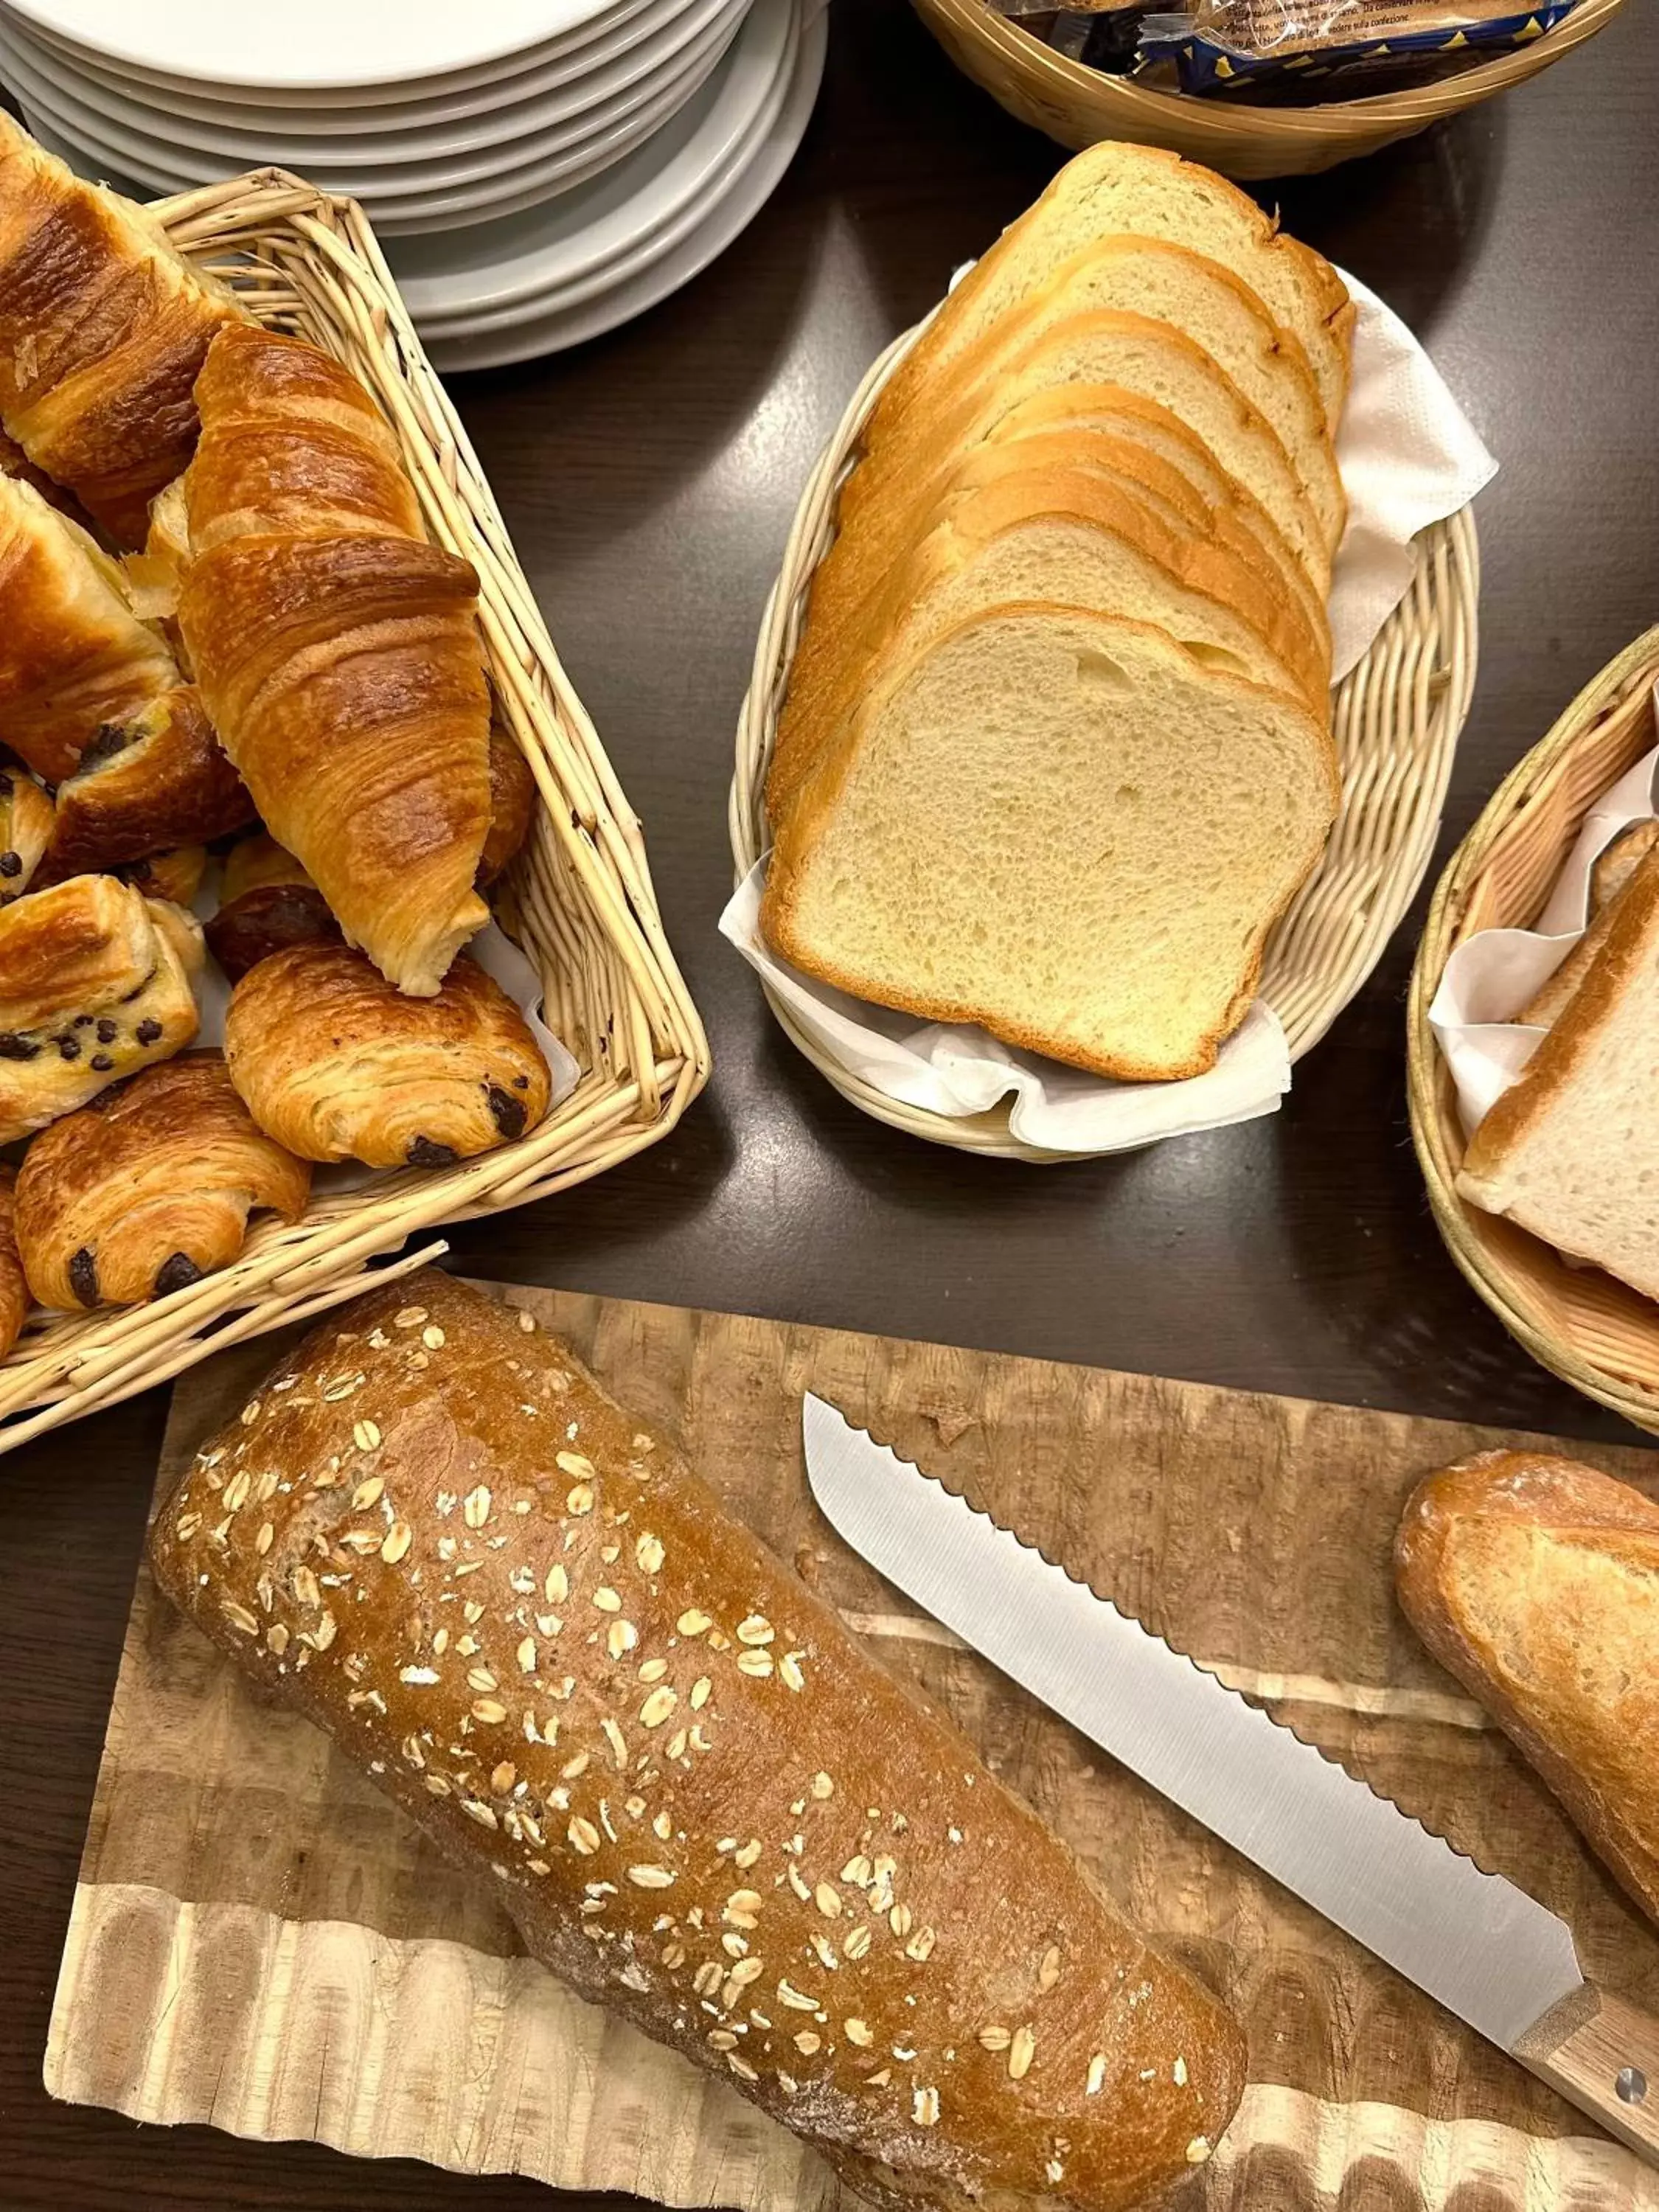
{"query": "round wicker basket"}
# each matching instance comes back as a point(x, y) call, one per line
point(1397, 718)
point(1589, 1329)
point(1076, 106)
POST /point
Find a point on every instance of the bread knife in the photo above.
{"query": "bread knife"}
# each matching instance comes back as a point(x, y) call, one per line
point(1487, 1951)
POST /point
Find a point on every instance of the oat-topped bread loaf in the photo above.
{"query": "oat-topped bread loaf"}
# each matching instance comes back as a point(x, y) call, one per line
point(704, 1806)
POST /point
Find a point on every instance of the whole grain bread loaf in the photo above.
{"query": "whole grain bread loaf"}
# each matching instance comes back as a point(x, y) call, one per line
point(538, 1630)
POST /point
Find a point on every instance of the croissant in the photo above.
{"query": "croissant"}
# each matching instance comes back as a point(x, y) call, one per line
point(73, 655)
point(103, 327)
point(266, 902)
point(95, 984)
point(337, 650)
point(149, 1188)
point(146, 785)
point(14, 1289)
point(335, 1063)
point(512, 801)
point(25, 825)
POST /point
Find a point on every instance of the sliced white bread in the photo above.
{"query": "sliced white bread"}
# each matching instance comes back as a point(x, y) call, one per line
point(1061, 825)
point(1106, 532)
point(1610, 878)
point(1170, 284)
point(1237, 519)
point(1150, 358)
point(1110, 189)
point(1571, 1150)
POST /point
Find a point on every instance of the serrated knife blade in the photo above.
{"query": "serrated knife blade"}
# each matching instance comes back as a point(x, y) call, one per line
point(1488, 1952)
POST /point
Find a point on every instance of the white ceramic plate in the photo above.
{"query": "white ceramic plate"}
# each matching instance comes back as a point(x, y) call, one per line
point(301, 44)
point(374, 108)
point(122, 154)
point(385, 168)
point(606, 88)
point(650, 241)
point(492, 266)
point(742, 202)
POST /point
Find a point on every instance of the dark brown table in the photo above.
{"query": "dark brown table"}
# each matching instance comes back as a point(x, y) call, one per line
point(649, 479)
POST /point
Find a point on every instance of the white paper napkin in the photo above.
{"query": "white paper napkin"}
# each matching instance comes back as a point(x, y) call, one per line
point(1409, 457)
point(1494, 973)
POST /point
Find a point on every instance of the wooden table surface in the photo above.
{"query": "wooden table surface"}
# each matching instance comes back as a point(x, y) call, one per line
point(649, 479)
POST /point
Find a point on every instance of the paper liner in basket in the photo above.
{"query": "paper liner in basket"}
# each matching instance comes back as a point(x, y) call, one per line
point(1493, 974)
point(1408, 458)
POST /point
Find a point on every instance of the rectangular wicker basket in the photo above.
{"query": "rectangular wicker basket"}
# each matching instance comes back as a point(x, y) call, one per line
point(578, 899)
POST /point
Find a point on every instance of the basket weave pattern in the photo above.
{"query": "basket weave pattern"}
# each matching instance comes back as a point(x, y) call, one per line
point(578, 898)
point(1397, 720)
point(1593, 1332)
point(1078, 105)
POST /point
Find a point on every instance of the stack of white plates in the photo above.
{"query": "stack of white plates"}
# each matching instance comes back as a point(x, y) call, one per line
point(542, 169)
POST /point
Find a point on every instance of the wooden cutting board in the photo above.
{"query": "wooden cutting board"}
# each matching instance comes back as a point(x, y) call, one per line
point(260, 1940)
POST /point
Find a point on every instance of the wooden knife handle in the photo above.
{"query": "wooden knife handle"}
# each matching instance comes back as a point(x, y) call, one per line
point(1603, 2055)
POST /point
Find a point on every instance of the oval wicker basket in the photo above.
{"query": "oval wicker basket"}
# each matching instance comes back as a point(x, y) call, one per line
point(1076, 105)
point(1396, 718)
point(578, 898)
point(1590, 1330)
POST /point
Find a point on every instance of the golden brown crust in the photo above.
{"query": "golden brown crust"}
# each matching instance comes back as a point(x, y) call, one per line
point(95, 984)
point(102, 330)
point(149, 1188)
point(14, 1300)
point(1533, 1580)
point(337, 1064)
point(703, 1805)
point(26, 827)
point(174, 878)
point(1563, 1051)
point(156, 781)
point(512, 801)
point(72, 654)
point(338, 652)
point(267, 903)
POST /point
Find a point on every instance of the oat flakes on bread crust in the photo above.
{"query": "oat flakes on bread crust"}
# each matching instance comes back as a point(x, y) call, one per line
point(704, 1805)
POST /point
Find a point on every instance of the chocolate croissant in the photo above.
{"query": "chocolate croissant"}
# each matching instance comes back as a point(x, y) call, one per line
point(73, 655)
point(338, 652)
point(103, 327)
point(14, 1289)
point(27, 819)
point(335, 1063)
point(173, 877)
point(149, 1188)
point(266, 902)
point(95, 984)
point(158, 780)
point(512, 801)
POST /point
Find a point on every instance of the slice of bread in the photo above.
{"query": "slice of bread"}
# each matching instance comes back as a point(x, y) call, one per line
point(1571, 1150)
point(1610, 878)
point(1060, 825)
point(1168, 284)
point(1110, 189)
point(1151, 359)
point(1092, 536)
point(1237, 519)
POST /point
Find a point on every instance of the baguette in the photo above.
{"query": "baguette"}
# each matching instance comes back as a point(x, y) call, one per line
point(432, 1532)
point(1535, 1582)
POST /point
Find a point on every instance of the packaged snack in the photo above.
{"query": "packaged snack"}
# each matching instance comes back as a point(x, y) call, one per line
point(1105, 38)
point(1294, 48)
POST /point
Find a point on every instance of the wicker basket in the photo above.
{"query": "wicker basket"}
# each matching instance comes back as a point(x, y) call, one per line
point(1396, 718)
point(579, 898)
point(1589, 1329)
point(1079, 105)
